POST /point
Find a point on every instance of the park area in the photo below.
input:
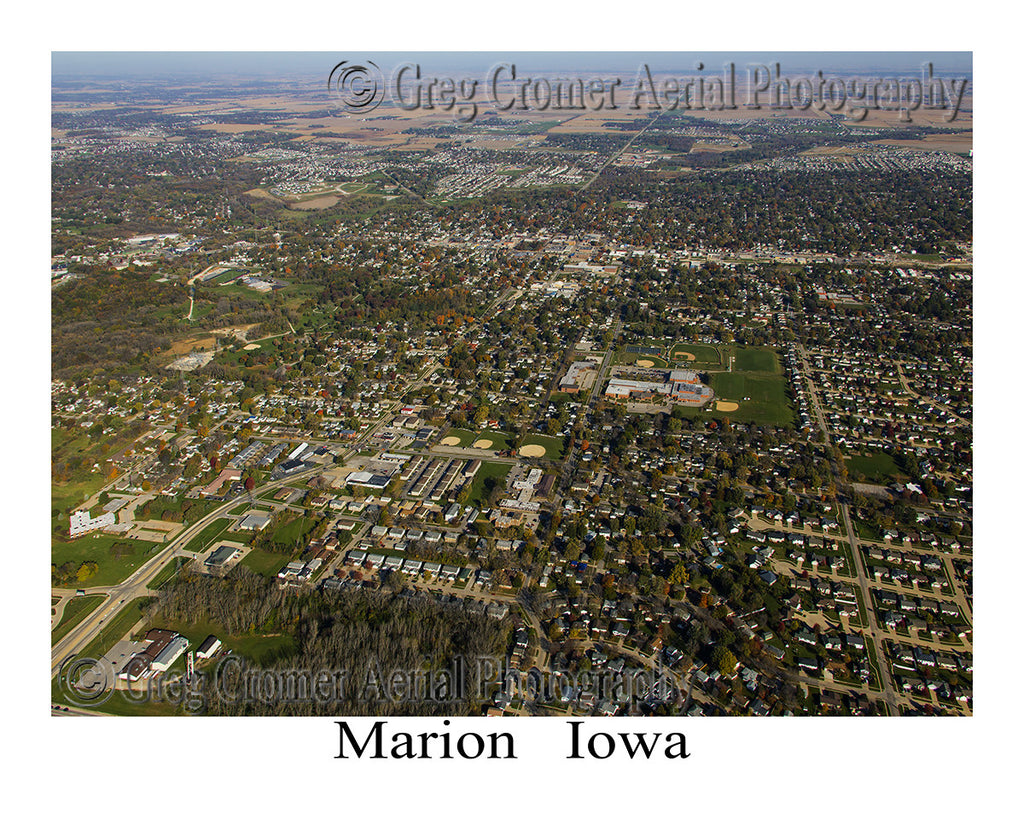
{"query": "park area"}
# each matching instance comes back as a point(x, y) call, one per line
point(748, 381)
point(752, 398)
point(879, 467)
point(485, 441)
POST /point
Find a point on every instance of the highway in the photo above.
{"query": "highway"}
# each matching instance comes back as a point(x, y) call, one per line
point(121, 595)
point(117, 597)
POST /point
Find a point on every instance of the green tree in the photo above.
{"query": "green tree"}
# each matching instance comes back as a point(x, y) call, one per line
point(724, 660)
point(679, 575)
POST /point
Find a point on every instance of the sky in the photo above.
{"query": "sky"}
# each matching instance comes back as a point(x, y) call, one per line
point(67, 65)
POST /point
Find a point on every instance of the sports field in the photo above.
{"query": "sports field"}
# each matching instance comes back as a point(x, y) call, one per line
point(551, 445)
point(878, 467)
point(760, 398)
point(486, 441)
point(755, 359)
point(683, 354)
point(458, 437)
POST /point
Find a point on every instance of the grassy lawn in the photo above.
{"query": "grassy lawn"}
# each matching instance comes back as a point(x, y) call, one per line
point(293, 534)
point(211, 533)
point(256, 647)
point(118, 705)
point(499, 440)
point(116, 629)
point(167, 572)
point(876, 675)
point(767, 404)
point(265, 563)
point(862, 614)
point(756, 359)
point(496, 472)
point(553, 445)
point(75, 611)
point(866, 530)
point(465, 436)
point(876, 468)
point(702, 353)
point(632, 358)
point(112, 570)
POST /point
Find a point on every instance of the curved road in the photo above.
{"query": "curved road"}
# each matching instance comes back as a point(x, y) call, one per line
point(136, 586)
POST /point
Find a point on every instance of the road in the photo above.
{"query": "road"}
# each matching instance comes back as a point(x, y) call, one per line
point(117, 597)
point(906, 387)
point(121, 595)
point(874, 632)
point(617, 154)
point(570, 459)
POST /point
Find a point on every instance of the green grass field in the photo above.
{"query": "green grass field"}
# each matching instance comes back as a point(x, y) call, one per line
point(631, 359)
point(75, 611)
point(125, 620)
point(167, 572)
point(292, 534)
point(488, 469)
point(876, 468)
point(64, 496)
point(703, 354)
point(465, 436)
point(553, 445)
point(111, 570)
point(756, 359)
point(211, 533)
point(265, 563)
point(499, 440)
point(767, 402)
point(256, 647)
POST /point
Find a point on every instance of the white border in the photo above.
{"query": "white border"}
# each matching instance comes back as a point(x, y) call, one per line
point(840, 767)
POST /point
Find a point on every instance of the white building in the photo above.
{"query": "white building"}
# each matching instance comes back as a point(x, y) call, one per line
point(172, 651)
point(81, 522)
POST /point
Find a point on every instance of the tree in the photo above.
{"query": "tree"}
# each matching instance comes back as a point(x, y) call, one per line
point(679, 575)
point(724, 660)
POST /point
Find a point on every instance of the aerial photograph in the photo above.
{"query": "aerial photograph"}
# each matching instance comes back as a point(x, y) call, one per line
point(459, 384)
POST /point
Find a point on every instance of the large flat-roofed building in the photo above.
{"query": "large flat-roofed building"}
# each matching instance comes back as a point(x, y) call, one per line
point(221, 556)
point(681, 386)
point(217, 483)
point(367, 479)
point(683, 377)
point(254, 521)
point(81, 522)
point(577, 375)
